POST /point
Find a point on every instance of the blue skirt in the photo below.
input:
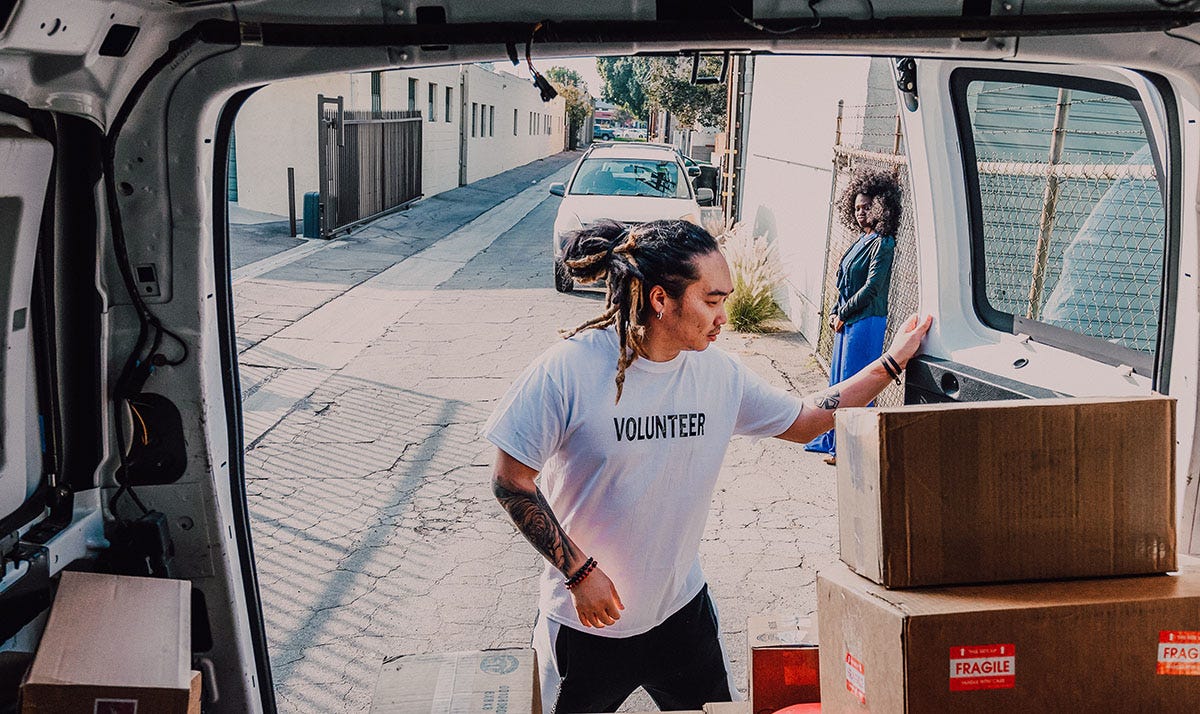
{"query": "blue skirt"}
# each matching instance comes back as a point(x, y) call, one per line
point(855, 347)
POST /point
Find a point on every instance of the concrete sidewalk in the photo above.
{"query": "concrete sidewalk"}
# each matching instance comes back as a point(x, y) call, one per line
point(294, 359)
point(276, 298)
point(375, 530)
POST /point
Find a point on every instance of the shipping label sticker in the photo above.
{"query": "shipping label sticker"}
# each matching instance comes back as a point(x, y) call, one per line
point(1179, 652)
point(114, 706)
point(856, 678)
point(974, 667)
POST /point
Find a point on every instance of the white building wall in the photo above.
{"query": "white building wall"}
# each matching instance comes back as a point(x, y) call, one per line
point(789, 166)
point(277, 128)
point(495, 148)
point(439, 138)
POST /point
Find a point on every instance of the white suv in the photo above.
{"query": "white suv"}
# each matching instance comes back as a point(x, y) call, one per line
point(629, 183)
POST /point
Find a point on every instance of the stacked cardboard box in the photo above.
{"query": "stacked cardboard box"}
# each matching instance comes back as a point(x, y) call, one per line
point(941, 496)
point(115, 643)
point(1117, 644)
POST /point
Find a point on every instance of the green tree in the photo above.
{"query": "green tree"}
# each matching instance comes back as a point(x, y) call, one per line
point(637, 83)
point(574, 90)
point(562, 75)
point(624, 83)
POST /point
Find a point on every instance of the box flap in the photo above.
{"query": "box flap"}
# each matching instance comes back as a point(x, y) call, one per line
point(117, 631)
point(1015, 403)
point(766, 631)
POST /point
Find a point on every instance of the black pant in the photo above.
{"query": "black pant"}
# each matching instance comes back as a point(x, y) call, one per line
point(679, 664)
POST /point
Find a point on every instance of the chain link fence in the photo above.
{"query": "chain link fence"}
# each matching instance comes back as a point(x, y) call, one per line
point(1073, 217)
point(868, 137)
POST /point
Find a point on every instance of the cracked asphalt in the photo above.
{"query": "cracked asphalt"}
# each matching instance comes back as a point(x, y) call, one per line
point(367, 370)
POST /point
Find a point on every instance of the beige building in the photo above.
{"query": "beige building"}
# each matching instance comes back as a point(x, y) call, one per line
point(475, 123)
point(788, 161)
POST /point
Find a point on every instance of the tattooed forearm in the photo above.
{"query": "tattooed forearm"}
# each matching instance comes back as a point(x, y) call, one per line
point(533, 517)
point(828, 400)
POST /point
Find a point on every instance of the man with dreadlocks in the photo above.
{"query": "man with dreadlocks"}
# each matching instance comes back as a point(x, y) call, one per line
point(627, 421)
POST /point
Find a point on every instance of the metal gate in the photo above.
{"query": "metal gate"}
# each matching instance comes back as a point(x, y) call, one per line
point(369, 163)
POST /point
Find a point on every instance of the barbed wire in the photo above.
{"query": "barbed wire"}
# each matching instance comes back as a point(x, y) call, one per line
point(1051, 105)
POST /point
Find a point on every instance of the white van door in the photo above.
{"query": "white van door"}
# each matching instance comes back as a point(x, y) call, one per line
point(1049, 226)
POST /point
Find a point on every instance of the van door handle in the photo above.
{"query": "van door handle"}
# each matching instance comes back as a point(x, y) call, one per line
point(208, 680)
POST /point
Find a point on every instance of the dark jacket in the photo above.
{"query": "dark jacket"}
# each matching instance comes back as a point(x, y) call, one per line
point(863, 284)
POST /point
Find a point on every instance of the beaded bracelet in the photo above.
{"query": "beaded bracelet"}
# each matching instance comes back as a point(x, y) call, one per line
point(579, 576)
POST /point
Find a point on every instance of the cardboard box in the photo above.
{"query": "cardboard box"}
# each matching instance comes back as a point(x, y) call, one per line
point(1114, 644)
point(783, 662)
point(944, 494)
point(115, 644)
point(727, 708)
point(491, 681)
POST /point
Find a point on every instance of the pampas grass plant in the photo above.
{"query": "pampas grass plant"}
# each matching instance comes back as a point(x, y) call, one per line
point(754, 264)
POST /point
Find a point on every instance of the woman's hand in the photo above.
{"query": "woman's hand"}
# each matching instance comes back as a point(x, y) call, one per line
point(837, 324)
point(908, 338)
point(597, 601)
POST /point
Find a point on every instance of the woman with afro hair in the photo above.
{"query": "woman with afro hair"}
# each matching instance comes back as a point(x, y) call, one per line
point(871, 206)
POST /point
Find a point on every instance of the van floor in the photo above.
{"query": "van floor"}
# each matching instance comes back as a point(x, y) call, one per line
point(374, 527)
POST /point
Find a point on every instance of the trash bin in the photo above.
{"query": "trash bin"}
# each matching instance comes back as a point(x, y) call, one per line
point(312, 214)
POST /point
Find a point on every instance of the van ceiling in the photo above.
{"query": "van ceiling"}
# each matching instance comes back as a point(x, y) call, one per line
point(84, 58)
point(468, 11)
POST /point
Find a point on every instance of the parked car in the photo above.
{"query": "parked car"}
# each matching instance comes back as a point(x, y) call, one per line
point(602, 133)
point(627, 183)
point(117, 120)
point(703, 175)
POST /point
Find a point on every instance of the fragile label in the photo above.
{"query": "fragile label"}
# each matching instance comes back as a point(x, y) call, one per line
point(974, 667)
point(856, 679)
point(1179, 652)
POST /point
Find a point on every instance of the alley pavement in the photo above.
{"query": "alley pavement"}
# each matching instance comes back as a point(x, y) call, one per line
point(368, 366)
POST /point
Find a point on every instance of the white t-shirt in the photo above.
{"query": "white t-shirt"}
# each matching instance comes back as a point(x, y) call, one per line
point(632, 483)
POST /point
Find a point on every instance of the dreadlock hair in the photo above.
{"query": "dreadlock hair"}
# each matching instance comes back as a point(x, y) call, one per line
point(631, 261)
point(884, 191)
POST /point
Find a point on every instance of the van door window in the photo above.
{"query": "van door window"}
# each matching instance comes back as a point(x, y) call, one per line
point(1068, 216)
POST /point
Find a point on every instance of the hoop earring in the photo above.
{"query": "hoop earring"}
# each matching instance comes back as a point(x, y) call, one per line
point(660, 315)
